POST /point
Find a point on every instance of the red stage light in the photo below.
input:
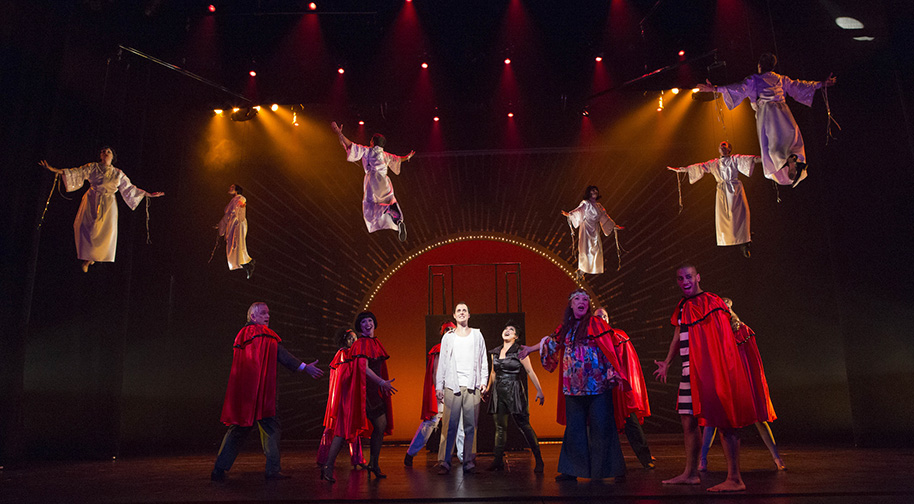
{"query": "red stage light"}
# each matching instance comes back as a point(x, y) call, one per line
point(361, 123)
point(212, 8)
point(598, 59)
point(507, 61)
point(312, 6)
point(253, 73)
point(424, 65)
point(340, 70)
point(510, 114)
point(436, 119)
point(682, 53)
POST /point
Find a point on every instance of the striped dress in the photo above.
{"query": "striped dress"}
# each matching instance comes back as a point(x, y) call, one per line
point(684, 406)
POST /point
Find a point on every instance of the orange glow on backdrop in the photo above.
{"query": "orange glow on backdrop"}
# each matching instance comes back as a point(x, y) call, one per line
point(401, 308)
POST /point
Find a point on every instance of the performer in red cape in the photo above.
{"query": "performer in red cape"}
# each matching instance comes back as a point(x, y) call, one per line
point(715, 389)
point(345, 339)
point(582, 348)
point(630, 406)
point(251, 395)
point(432, 408)
point(364, 397)
point(745, 339)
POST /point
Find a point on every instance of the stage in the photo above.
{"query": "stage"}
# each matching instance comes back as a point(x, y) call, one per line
point(815, 474)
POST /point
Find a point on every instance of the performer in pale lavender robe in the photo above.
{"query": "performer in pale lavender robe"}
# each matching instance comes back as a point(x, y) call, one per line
point(731, 211)
point(95, 227)
point(234, 227)
point(379, 205)
point(783, 153)
point(590, 218)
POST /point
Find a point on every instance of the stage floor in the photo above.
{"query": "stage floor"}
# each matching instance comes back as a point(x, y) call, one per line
point(816, 474)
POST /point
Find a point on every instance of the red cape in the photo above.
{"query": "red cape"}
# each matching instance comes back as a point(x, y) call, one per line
point(600, 332)
point(348, 418)
point(333, 395)
point(747, 345)
point(718, 373)
point(251, 393)
point(429, 399)
point(626, 402)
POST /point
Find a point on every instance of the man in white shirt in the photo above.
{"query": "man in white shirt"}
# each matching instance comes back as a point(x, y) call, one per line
point(460, 382)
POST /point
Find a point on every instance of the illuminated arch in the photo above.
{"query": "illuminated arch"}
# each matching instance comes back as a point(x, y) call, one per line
point(459, 237)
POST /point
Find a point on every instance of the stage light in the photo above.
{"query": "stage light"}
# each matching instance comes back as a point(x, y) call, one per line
point(340, 70)
point(252, 73)
point(682, 53)
point(598, 59)
point(660, 102)
point(849, 23)
point(294, 119)
point(436, 118)
point(507, 61)
point(694, 90)
point(257, 108)
point(585, 112)
point(312, 6)
point(864, 39)
point(212, 8)
point(675, 90)
point(361, 123)
point(510, 114)
point(218, 111)
point(424, 65)
point(244, 114)
point(274, 107)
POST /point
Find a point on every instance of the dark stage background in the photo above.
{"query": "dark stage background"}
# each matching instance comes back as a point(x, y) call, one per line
point(133, 357)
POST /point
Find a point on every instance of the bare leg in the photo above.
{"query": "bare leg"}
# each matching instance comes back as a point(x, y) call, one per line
point(707, 439)
point(764, 430)
point(689, 475)
point(734, 482)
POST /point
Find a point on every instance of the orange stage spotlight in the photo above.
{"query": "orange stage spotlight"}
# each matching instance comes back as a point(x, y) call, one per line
point(218, 112)
point(274, 107)
point(675, 90)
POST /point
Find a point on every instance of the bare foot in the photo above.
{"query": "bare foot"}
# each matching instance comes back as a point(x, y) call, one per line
point(729, 486)
point(684, 479)
point(780, 463)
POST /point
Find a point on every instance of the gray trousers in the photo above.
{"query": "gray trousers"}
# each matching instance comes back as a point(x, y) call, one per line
point(269, 438)
point(462, 404)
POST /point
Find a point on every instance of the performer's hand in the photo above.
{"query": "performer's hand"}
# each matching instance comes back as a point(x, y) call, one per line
point(566, 214)
point(672, 169)
point(540, 398)
point(410, 155)
point(313, 371)
point(386, 387)
point(155, 194)
point(483, 390)
point(336, 127)
point(524, 352)
point(660, 372)
point(830, 81)
point(49, 167)
point(707, 87)
point(619, 227)
point(440, 395)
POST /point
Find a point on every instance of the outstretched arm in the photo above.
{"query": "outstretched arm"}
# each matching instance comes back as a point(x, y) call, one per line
point(663, 366)
point(345, 142)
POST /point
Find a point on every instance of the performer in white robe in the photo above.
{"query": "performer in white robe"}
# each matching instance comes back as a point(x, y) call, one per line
point(590, 218)
point(783, 153)
point(731, 211)
point(234, 227)
point(379, 205)
point(95, 227)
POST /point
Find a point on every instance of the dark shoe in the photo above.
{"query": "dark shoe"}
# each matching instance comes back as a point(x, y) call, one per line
point(443, 469)
point(218, 475)
point(359, 467)
point(469, 469)
point(497, 465)
point(248, 268)
point(538, 468)
point(276, 476)
point(566, 477)
point(327, 474)
point(376, 471)
point(401, 229)
point(801, 174)
point(744, 248)
point(408, 460)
